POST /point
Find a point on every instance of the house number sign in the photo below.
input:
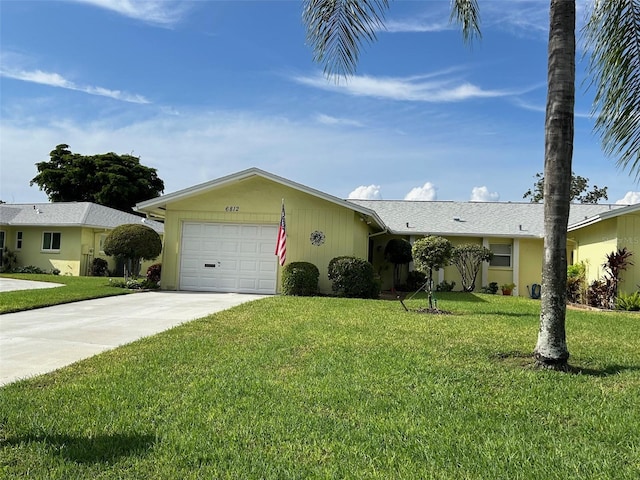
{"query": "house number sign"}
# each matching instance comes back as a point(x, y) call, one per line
point(232, 208)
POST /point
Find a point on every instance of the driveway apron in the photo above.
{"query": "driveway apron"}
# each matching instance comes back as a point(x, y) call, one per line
point(43, 340)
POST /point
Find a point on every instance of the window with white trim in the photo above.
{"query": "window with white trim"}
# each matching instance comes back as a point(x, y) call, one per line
point(501, 255)
point(1, 243)
point(51, 241)
point(18, 240)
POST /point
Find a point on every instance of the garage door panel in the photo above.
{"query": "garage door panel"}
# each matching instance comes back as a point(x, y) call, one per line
point(249, 248)
point(192, 229)
point(229, 229)
point(189, 264)
point(243, 256)
point(248, 266)
point(191, 245)
point(265, 267)
point(228, 247)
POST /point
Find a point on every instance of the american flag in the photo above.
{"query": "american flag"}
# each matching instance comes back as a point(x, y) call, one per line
point(281, 243)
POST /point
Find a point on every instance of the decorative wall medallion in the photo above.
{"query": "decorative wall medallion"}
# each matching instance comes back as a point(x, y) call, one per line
point(317, 238)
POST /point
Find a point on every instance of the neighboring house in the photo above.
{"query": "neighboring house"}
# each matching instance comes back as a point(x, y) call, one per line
point(221, 235)
point(66, 236)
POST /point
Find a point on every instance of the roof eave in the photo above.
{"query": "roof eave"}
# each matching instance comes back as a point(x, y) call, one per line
point(464, 234)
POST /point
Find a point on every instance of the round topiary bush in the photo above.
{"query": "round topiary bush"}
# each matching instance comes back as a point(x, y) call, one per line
point(133, 242)
point(353, 277)
point(300, 278)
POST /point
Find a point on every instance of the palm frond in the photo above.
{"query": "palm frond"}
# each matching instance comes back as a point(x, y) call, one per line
point(467, 14)
point(337, 29)
point(613, 36)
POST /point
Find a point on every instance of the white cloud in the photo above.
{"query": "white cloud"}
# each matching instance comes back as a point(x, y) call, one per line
point(482, 194)
point(57, 80)
point(159, 12)
point(426, 192)
point(630, 198)
point(423, 88)
point(329, 120)
point(369, 192)
point(416, 26)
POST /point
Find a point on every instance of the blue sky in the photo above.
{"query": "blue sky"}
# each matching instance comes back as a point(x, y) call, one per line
point(202, 89)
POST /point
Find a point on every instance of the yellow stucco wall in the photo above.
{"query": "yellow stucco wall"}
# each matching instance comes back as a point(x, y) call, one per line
point(591, 244)
point(67, 259)
point(628, 229)
point(78, 247)
point(530, 271)
point(258, 201)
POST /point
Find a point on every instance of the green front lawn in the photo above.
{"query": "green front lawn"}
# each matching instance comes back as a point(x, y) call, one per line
point(290, 387)
point(75, 289)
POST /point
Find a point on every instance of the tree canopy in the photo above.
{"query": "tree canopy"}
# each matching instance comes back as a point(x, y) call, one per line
point(133, 242)
point(109, 179)
point(468, 260)
point(429, 253)
point(579, 190)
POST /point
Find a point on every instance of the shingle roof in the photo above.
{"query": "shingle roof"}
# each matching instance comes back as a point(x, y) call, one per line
point(69, 214)
point(472, 218)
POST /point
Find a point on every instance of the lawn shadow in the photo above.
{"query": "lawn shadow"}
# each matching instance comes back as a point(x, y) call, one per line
point(607, 371)
point(86, 450)
point(460, 297)
point(526, 360)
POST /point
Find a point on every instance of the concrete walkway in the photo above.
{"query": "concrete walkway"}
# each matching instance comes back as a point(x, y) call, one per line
point(43, 340)
point(11, 284)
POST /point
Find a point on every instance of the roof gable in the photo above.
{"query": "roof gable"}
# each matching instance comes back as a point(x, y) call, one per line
point(157, 206)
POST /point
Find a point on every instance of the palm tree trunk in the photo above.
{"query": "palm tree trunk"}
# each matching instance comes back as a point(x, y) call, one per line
point(551, 349)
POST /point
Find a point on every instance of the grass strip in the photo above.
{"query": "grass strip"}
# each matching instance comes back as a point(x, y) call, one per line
point(74, 289)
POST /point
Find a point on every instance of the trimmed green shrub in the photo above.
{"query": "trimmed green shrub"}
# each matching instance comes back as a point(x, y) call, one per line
point(133, 242)
point(353, 277)
point(300, 278)
point(30, 269)
point(8, 260)
point(492, 288)
point(134, 284)
point(154, 272)
point(577, 283)
point(445, 286)
point(99, 267)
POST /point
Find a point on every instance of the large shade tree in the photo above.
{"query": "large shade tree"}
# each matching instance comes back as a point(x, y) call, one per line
point(337, 29)
point(109, 179)
point(580, 190)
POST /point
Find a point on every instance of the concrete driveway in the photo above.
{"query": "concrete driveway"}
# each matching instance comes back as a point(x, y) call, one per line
point(43, 340)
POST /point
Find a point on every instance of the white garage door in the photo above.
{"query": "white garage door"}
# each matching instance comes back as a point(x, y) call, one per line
point(222, 257)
